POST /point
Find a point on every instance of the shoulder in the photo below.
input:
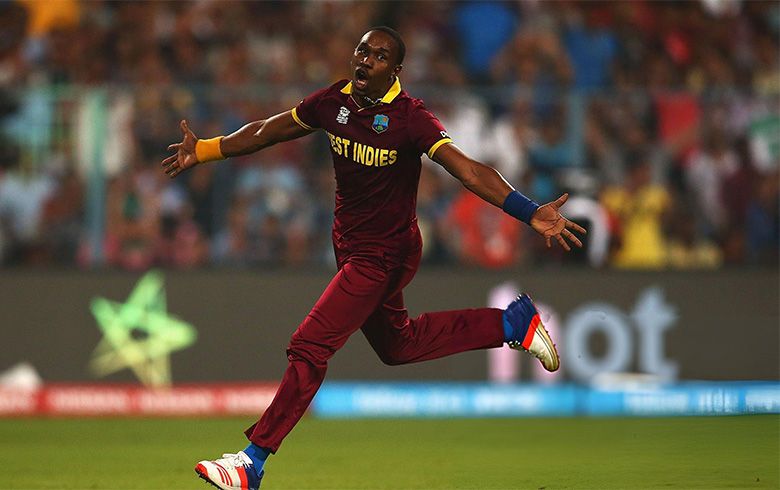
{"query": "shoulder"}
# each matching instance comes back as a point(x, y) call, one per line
point(333, 90)
point(415, 107)
point(414, 103)
point(658, 195)
point(613, 197)
point(338, 86)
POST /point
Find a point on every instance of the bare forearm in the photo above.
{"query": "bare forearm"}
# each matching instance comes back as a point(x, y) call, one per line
point(244, 141)
point(487, 183)
point(261, 134)
point(483, 180)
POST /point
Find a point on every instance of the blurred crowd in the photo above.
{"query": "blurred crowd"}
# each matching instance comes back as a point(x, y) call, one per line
point(662, 120)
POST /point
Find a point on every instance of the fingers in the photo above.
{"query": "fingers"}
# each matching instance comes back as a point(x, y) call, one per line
point(185, 129)
point(168, 160)
point(173, 170)
point(574, 226)
point(561, 200)
point(562, 237)
point(563, 243)
point(572, 238)
point(171, 166)
point(174, 146)
point(547, 242)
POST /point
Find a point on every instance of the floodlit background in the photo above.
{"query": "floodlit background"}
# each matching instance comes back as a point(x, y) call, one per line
point(124, 292)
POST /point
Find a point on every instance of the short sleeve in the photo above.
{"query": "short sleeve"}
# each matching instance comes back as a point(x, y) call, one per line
point(426, 131)
point(306, 113)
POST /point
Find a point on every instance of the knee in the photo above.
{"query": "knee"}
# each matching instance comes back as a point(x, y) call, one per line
point(300, 348)
point(390, 357)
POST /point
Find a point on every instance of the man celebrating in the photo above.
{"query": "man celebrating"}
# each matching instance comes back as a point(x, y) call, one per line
point(377, 134)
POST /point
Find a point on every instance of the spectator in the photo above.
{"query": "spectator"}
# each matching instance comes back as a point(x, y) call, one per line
point(706, 171)
point(763, 222)
point(591, 44)
point(62, 216)
point(134, 226)
point(481, 234)
point(22, 198)
point(686, 249)
point(483, 28)
point(638, 210)
point(551, 153)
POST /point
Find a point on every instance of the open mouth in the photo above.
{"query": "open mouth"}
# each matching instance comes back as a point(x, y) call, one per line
point(361, 79)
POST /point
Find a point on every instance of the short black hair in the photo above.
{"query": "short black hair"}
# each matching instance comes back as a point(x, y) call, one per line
point(396, 37)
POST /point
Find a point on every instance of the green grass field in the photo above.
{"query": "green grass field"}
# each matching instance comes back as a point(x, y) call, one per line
point(716, 452)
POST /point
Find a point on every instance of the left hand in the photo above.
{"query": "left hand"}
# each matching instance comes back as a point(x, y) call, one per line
point(548, 222)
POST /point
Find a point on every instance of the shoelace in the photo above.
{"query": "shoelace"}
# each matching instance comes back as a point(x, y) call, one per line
point(234, 459)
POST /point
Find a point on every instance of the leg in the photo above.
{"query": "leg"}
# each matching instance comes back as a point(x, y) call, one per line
point(398, 339)
point(350, 298)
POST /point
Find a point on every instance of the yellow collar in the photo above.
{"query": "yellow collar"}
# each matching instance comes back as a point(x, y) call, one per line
point(391, 94)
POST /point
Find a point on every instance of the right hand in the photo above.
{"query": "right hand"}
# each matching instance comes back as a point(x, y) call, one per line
point(184, 157)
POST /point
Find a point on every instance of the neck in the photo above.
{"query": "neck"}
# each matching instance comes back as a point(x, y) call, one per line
point(365, 101)
point(374, 98)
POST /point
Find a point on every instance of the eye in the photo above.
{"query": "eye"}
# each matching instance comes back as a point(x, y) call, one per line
point(381, 57)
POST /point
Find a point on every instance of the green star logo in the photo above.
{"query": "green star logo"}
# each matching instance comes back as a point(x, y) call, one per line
point(139, 334)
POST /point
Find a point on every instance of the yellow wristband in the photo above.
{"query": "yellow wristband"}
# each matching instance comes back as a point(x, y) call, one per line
point(208, 150)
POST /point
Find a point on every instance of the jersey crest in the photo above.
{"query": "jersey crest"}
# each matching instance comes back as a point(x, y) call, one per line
point(380, 123)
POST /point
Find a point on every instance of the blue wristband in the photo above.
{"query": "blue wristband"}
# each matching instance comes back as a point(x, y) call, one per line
point(520, 207)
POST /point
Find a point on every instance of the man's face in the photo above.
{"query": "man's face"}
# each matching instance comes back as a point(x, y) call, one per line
point(374, 64)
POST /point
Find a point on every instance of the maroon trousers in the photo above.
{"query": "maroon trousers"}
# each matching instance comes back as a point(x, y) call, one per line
point(366, 294)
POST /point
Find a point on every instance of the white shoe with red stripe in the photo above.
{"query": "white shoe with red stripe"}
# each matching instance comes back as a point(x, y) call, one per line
point(231, 472)
point(523, 316)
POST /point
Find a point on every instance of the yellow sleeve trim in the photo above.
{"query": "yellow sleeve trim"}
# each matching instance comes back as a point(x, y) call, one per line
point(208, 150)
point(294, 113)
point(437, 145)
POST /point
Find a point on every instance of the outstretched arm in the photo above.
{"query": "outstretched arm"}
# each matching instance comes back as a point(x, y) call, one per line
point(251, 138)
point(487, 183)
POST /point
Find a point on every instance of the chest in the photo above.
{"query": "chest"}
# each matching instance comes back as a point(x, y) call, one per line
point(373, 136)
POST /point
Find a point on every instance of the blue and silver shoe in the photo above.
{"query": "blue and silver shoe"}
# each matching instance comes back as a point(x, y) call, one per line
point(529, 333)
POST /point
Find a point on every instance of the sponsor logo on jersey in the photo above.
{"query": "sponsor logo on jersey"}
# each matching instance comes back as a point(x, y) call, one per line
point(343, 116)
point(380, 123)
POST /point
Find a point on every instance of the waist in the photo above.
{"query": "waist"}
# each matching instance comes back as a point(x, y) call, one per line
point(387, 238)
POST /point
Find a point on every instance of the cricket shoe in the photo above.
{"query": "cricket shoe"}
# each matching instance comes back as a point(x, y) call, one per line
point(231, 472)
point(521, 315)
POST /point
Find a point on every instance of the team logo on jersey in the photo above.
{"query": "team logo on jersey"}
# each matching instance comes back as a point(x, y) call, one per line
point(380, 123)
point(343, 116)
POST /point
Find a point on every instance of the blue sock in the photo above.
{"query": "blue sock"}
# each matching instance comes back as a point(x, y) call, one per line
point(258, 455)
point(507, 328)
point(517, 318)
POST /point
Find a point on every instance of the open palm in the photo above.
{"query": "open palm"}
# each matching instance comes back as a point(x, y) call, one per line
point(184, 157)
point(548, 222)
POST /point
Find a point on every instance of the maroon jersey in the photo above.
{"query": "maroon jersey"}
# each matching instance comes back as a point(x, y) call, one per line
point(376, 154)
